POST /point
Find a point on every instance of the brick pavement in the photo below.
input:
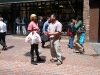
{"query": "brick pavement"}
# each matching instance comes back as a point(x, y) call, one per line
point(16, 60)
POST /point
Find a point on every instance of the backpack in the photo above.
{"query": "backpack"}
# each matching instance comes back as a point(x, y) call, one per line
point(81, 29)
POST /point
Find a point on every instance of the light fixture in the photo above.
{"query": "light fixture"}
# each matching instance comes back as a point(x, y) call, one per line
point(61, 6)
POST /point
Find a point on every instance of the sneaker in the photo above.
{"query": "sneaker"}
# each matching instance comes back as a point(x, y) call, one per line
point(4, 48)
point(82, 52)
point(52, 60)
point(59, 63)
point(76, 51)
point(33, 62)
point(40, 60)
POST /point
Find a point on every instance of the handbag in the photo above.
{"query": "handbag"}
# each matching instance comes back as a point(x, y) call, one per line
point(69, 32)
point(81, 29)
point(45, 38)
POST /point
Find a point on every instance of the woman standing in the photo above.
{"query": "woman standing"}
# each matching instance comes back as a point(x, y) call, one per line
point(78, 47)
point(34, 27)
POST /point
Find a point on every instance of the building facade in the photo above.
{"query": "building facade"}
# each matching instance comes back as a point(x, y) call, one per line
point(66, 10)
point(94, 30)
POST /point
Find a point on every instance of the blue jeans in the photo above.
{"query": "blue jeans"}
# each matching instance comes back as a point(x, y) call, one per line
point(70, 44)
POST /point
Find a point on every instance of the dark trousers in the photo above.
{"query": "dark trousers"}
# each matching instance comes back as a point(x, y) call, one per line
point(34, 47)
point(2, 37)
point(2, 43)
point(43, 43)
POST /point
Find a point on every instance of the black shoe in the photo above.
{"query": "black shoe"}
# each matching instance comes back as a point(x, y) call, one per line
point(4, 48)
point(43, 47)
point(40, 60)
point(33, 62)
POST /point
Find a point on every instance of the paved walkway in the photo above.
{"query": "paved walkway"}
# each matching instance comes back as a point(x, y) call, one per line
point(16, 60)
point(96, 47)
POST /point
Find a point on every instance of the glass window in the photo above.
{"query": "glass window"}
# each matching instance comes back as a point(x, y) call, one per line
point(35, 3)
point(39, 3)
point(60, 2)
point(43, 3)
point(47, 3)
point(65, 10)
point(52, 2)
point(20, 5)
point(27, 4)
point(56, 2)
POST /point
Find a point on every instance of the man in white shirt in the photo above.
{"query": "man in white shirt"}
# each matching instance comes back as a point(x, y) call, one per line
point(54, 32)
point(3, 30)
point(18, 25)
point(23, 25)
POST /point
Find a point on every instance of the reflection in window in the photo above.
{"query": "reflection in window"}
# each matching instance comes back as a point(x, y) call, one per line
point(39, 3)
point(47, 3)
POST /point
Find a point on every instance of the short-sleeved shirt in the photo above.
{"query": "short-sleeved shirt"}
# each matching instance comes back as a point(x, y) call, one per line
point(3, 27)
point(45, 26)
point(32, 26)
point(56, 27)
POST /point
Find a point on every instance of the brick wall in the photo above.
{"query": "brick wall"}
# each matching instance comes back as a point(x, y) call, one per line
point(86, 18)
point(91, 20)
point(94, 23)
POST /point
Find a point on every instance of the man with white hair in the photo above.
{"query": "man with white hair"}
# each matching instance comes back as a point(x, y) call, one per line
point(3, 30)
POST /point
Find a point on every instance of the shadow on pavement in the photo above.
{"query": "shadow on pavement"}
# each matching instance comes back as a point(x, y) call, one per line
point(93, 55)
point(27, 54)
point(10, 47)
point(63, 58)
point(44, 58)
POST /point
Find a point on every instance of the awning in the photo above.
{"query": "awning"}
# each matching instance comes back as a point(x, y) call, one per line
point(18, 1)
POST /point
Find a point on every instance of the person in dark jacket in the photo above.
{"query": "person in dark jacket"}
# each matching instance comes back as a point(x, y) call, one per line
point(71, 34)
point(40, 24)
point(45, 29)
